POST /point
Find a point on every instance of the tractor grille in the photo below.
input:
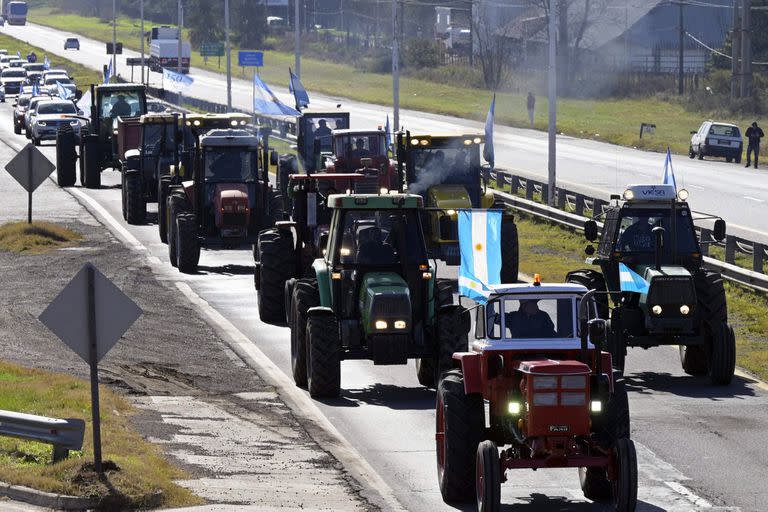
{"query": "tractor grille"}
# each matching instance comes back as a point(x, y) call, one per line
point(671, 293)
point(391, 306)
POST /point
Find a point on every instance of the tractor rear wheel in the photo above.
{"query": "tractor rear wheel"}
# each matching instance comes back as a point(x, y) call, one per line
point(275, 211)
point(625, 482)
point(91, 175)
point(425, 366)
point(286, 166)
point(712, 310)
point(65, 157)
point(722, 362)
point(162, 208)
point(323, 357)
point(591, 280)
point(459, 428)
point(176, 203)
point(135, 204)
point(187, 245)
point(510, 250)
point(488, 478)
point(276, 266)
point(305, 296)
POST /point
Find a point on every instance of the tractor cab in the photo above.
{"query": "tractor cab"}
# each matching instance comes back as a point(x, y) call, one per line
point(356, 150)
point(160, 138)
point(115, 101)
point(314, 135)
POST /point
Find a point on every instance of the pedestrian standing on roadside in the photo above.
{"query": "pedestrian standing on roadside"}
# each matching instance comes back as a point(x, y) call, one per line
point(754, 134)
point(531, 107)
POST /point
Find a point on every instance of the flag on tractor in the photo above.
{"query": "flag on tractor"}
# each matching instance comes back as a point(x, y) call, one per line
point(480, 249)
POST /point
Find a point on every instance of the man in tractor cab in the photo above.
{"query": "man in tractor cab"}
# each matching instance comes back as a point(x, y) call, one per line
point(121, 108)
point(372, 249)
point(530, 322)
point(638, 237)
point(360, 151)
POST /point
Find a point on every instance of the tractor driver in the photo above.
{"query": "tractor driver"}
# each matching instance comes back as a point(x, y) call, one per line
point(371, 248)
point(637, 237)
point(120, 108)
point(360, 151)
point(530, 322)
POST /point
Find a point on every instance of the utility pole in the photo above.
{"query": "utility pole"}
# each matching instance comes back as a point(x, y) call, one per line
point(229, 55)
point(746, 49)
point(395, 68)
point(297, 36)
point(736, 50)
point(681, 51)
point(178, 58)
point(552, 127)
point(141, 10)
point(114, 38)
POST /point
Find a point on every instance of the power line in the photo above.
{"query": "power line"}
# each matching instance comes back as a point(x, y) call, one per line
point(718, 52)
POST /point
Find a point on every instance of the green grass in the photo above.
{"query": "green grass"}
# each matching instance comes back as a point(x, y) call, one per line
point(35, 238)
point(142, 468)
point(616, 121)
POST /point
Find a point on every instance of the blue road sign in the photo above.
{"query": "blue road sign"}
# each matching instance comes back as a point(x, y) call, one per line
point(250, 59)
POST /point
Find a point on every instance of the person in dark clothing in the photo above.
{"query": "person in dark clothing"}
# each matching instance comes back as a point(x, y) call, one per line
point(754, 134)
point(531, 104)
point(120, 108)
point(530, 322)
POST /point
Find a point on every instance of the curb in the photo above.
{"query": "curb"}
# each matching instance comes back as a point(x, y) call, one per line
point(63, 501)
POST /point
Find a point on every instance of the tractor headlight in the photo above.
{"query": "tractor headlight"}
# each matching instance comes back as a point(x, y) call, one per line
point(656, 309)
point(414, 142)
point(682, 194)
point(233, 122)
point(384, 191)
point(477, 140)
point(596, 406)
point(41, 123)
point(336, 276)
point(196, 122)
point(426, 276)
point(629, 195)
point(345, 251)
point(381, 325)
point(400, 324)
point(450, 213)
point(468, 142)
point(514, 408)
point(684, 309)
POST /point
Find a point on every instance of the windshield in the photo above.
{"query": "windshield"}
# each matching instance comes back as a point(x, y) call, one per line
point(724, 131)
point(158, 137)
point(14, 73)
point(231, 164)
point(531, 318)
point(18, 8)
point(56, 108)
point(360, 146)
point(23, 101)
point(635, 235)
point(35, 67)
point(116, 104)
point(447, 165)
point(61, 80)
point(379, 237)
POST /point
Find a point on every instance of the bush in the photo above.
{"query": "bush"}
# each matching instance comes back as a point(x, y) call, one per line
point(422, 53)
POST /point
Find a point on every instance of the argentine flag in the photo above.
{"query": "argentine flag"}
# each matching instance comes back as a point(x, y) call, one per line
point(63, 93)
point(669, 172)
point(630, 281)
point(46, 63)
point(299, 92)
point(265, 101)
point(480, 249)
point(108, 74)
point(176, 81)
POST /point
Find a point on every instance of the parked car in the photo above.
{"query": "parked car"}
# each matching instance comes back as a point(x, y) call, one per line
point(17, 62)
point(72, 43)
point(50, 116)
point(717, 139)
point(2, 94)
point(12, 79)
point(5, 60)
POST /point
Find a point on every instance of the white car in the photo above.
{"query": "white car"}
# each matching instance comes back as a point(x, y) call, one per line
point(12, 79)
point(56, 71)
point(30, 113)
point(717, 139)
point(51, 115)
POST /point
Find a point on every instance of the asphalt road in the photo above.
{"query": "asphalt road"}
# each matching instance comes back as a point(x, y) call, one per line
point(737, 194)
point(699, 447)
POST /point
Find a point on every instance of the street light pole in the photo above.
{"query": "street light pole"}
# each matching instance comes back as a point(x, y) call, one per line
point(178, 48)
point(395, 68)
point(297, 36)
point(114, 38)
point(141, 9)
point(552, 126)
point(229, 56)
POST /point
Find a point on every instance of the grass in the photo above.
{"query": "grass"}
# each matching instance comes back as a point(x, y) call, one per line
point(553, 251)
point(611, 120)
point(142, 468)
point(35, 238)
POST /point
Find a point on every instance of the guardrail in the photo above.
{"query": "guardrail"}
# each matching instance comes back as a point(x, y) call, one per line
point(522, 196)
point(64, 435)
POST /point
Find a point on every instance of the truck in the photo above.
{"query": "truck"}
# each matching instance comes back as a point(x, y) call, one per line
point(15, 13)
point(164, 50)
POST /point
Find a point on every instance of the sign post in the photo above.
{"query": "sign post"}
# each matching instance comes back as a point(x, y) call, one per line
point(212, 50)
point(30, 168)
point(91, 330)
point(251, 59)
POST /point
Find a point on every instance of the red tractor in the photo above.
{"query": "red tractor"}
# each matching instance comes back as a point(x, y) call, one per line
point(553, 399)
point(351, 147)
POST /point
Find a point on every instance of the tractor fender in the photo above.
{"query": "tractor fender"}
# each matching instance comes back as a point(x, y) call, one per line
point(470, 363)
point(607, 369)
point(320, 311)
point(323, 281)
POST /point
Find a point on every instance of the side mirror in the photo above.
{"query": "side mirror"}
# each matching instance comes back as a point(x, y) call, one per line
point(480, 323)
point(719, 232)
point(597, 331)
point(273, 157)
point(590, 230)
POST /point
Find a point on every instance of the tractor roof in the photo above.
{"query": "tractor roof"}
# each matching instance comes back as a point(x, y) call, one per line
point(653, 194)
point(354, 133)
point(121, 87)
point(375, 202)
point(230, 138)
point(468, 139)
point(530, 289)
point(323, 113)
point(159, 118)
point(207, 119)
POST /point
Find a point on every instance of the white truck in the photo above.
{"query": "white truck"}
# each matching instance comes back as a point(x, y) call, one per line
point(164, 50)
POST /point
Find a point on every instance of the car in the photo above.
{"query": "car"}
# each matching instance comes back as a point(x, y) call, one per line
point(717, 139)
point(19, 109)
point(156, 106)
point(17, 63)
point(34, 67)
point(12, 79)
point(5, 60)
point(72, 43)
point(49, 116)
point(30, 113)
point(50, 85)
point(55, 71)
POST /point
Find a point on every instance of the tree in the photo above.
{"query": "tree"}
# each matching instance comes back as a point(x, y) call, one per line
point(492, 50)
point(248, 20)
point(205, 20)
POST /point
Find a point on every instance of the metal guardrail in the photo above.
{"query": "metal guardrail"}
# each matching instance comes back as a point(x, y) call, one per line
point(580, 204)
point(64, 435)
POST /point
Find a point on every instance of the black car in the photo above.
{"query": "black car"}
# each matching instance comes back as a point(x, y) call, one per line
point(72, 43)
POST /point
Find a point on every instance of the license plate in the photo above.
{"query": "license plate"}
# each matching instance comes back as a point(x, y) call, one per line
point(559, 428)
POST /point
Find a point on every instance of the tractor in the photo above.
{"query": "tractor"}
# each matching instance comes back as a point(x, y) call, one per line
point(159, 138)
point(98, 144)
point(373, 296)
point(194, 125)
point(535, 391)
point(650, 237)
point(351, 147)
point(446, 171)
point(228, 199)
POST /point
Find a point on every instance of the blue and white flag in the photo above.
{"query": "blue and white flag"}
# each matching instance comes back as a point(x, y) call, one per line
point(265, 101)
point(108, 74)
point(46, 63)
point(480, 249)
point(35, 89)
point(62, 91)
point(18, 52)
point(630, 281)
point(669, 173)
point(388, 133)
point(299, 92)
point(488, 149)
point(176, 81)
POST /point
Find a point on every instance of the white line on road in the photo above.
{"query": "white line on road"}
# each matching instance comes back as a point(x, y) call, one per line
point(754, 199)
point(696, 500)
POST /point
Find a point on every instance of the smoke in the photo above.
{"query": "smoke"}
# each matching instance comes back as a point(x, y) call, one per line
point(429, 178)
point(436, 167)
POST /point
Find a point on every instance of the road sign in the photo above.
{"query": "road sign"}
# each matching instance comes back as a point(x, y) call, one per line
point(212, 49)
point(30, 168)
point(134, 61)
point(91, 330)
point(250, 59)
point(119, 47)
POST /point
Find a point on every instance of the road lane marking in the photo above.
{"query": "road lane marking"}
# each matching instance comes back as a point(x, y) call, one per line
point(754, 199)
point(690, 496)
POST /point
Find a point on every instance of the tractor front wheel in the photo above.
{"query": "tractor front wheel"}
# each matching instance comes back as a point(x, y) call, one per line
point(134, 203)
point(187, 245)
point(459, 428)
point(91, 175)
point(305, 296)
point(175, 207)
point(693, 359)
point(722, 363)
point(65, 157)
point(426, 371)
point(276, 266)
point(625, 482)
point(488, 477)
point(323, 357)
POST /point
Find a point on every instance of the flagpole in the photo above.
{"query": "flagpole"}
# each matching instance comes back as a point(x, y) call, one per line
point(114, 37)
point(178, 60)
point(552, 124)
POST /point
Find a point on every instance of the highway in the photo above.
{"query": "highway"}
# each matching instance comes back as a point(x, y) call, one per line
point(699, 447)
point(737, 194)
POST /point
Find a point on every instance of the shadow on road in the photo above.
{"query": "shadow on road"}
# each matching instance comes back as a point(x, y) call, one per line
point(537, 502)
point(387, 395)
point(687, 386)
point(227, 270)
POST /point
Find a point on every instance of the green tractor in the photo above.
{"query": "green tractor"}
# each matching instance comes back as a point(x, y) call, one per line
point(447, 173)
point(98, 147)
point(651, 236)
point(373, 296)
